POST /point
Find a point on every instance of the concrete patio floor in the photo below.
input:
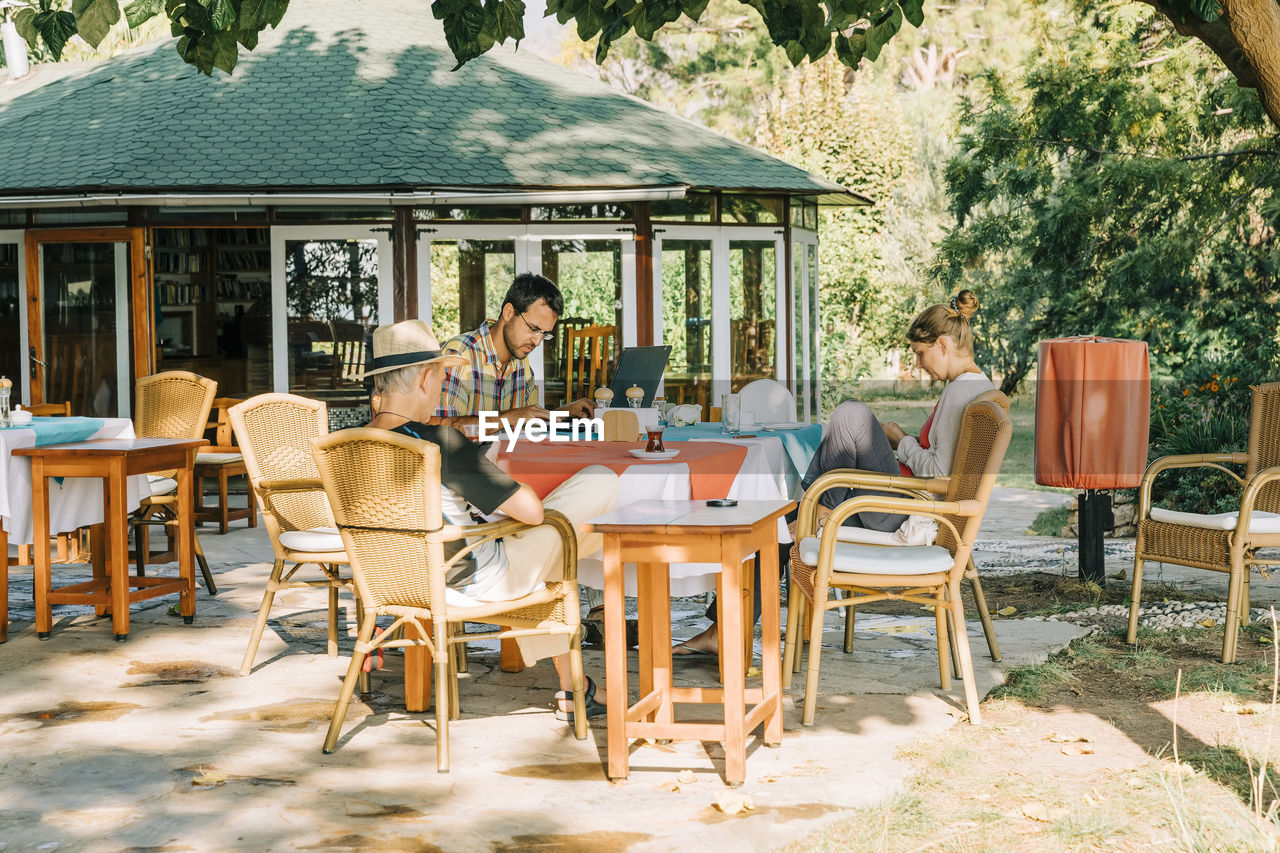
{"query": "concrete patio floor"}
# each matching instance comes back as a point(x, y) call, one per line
point(158, 743)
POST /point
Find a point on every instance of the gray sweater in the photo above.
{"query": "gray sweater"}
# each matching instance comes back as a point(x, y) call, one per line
point(935, 461)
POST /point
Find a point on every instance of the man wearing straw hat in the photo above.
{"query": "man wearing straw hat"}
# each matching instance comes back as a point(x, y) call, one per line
point(408, 369)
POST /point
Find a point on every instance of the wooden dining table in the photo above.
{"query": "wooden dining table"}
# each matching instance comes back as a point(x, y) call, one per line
point(112, 588)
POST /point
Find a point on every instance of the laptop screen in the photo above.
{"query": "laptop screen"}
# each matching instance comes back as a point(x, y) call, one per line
point(641, 366)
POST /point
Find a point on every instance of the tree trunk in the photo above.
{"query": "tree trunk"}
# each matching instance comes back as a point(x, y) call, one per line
point(1255, 25)
point(1247, 41)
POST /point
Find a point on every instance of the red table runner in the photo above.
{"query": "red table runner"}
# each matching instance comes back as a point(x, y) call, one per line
point(544, 465)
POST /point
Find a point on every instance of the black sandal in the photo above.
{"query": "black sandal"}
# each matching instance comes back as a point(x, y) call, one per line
point(594, 708)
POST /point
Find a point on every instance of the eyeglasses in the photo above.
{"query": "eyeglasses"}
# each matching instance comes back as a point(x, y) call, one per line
point(546, 336)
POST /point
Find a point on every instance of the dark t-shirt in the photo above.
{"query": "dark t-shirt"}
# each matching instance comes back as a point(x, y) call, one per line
point(464, 469)
point(467, 477)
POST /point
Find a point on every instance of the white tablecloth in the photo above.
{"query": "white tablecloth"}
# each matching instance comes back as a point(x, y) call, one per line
point(76, 502)
point(767, 473)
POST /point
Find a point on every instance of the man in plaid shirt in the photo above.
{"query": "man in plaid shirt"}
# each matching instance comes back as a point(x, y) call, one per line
point(498, 377)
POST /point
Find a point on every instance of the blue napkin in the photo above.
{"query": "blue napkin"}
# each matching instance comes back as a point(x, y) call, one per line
point(63, 430)
point(800, 444)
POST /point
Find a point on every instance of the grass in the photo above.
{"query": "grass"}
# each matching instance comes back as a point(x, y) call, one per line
point(1051, 521)
point(1018, 470)
point(1043, 772)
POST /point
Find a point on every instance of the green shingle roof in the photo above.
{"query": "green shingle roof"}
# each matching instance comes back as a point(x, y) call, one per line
point(355, 94)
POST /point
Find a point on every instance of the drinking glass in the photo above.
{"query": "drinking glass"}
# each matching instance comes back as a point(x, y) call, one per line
point(730, 414)
point(5, 420)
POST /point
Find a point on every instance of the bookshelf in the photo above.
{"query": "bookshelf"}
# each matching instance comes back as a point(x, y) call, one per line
point(213, 300)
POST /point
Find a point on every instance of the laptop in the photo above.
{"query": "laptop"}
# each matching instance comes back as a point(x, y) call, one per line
point(643, 366)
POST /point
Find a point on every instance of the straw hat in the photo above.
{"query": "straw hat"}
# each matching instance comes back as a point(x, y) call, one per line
point(407, 343)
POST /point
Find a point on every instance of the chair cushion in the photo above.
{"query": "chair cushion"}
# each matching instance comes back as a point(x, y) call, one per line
point(161, 485)
point(874, 560)
point(1259, 522)
point(319, 539)
point(203, 458)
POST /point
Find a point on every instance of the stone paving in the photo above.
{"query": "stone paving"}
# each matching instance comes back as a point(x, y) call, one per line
point(157, 743)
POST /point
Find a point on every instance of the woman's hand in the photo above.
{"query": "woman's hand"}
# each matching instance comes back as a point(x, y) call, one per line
point(895, 433)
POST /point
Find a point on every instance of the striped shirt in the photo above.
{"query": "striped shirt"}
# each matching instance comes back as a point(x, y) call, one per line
point(484, 385)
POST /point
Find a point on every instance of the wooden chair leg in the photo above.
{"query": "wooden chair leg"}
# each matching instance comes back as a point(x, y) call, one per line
point(204, 565)
point(803, 624)
point(966, 657)
point(983, 613)
point(816, 618)
point(1235, 592)
point(944, 650)
point(264, 611)
point(348, 686)
point(849, 616)
point(579, 684)
point(953, 653)
point(333, 621)
point(1135, 598)
point(789, 655)
point(1244, 598)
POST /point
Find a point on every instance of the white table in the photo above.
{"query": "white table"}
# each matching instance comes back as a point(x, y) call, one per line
point(75, 502)
point(767, 473)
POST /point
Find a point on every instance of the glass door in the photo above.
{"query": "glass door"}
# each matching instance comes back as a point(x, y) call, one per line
point(682, 310)
point(804, 284)
point(86, 289)
point(330, 288)
point(13, 315)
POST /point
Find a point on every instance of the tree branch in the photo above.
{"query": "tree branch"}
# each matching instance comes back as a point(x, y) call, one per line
point(1217, 36)
point(1103, 152)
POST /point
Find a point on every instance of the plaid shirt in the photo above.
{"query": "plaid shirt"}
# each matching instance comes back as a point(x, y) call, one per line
point(484, 385)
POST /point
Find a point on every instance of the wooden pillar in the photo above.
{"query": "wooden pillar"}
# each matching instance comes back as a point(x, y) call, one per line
point(644, 276)
point(404, 270)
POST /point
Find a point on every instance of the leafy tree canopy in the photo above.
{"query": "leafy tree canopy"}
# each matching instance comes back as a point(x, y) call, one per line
point(1124, 186)
point(1245, 34)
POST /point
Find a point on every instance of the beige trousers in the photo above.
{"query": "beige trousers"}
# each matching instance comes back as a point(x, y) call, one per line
point(534, 556)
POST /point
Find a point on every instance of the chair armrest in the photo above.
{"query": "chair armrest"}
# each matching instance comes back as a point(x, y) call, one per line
point(284, 487)
point(853, 478)
point(1186, 460)
point(1260, 479)
point(937, 510)
point(477, 534)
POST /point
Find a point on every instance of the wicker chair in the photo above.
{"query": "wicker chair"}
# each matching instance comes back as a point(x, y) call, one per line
point(922, 574)
point(1228, 542)
point(385, 492)
point(877, 537)
point(173, 404)
point(274, 432)
point(620, 425)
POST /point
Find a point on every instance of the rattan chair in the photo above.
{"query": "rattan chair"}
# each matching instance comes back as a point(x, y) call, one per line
point(620, 425)
point(1227, 542)
point(274, 432)
point(173, 404)
point(922, 574)
point(877, 537)
point(385, 491)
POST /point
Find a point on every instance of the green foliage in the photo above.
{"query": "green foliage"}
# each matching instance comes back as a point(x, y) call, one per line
point(1206, 409)
point(1092, 197)
point(210, 32)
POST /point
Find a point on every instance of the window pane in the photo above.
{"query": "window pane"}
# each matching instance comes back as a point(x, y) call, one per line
point(332, 299)
point(686, 319)
point(468, 280)
point(470, 214)
point(589, 275)
point(79, 293)
point(12, 303)
point(695, 207)
point(815, 329)
point(745, 208)
point(213, 305)
point(603, 210)
point(752, 310)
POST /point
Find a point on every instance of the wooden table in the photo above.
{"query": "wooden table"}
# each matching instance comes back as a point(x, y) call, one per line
point(654, 534)
point(114, 461)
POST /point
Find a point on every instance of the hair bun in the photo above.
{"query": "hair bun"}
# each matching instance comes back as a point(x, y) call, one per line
point(965, 304)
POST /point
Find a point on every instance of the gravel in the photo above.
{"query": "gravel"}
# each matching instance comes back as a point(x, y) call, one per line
point(1165, 616)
